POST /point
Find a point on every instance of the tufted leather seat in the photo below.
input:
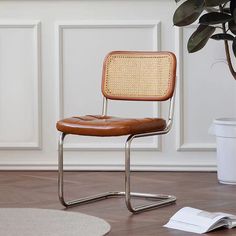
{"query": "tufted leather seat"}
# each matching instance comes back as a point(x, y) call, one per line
point(94, 125)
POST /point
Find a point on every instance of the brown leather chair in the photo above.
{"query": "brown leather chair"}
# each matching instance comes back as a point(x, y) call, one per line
point(135, 76)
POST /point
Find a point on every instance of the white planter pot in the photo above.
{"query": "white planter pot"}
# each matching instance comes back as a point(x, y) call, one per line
point(225, 131)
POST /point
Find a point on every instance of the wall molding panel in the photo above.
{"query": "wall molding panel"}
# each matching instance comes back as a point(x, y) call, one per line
point(155, 25)
point(181, 145)
point(35, 26)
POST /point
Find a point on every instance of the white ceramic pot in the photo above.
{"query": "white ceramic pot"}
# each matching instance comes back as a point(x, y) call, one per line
point(225, 131)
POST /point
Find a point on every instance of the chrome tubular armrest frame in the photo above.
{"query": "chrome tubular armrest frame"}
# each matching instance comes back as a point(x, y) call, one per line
point(159, 200)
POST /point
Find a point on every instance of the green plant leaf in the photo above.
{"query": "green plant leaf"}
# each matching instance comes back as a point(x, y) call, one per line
point(232, 26)
point(234, 46)
point(200, 37)
point(188, 12)
point(213, 3)
point(227, 10)
point(222, 37)
point(232, 7)
point(234, 16)
point(214, 18)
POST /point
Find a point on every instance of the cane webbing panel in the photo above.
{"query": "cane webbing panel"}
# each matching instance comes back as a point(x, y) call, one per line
point(139, 76)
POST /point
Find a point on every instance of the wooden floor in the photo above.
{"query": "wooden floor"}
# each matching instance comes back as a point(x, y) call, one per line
point(199, 190)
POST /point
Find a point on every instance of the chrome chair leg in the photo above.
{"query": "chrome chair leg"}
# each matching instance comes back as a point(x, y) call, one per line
point(162, 199)
point(79, 201)
point(60, 170)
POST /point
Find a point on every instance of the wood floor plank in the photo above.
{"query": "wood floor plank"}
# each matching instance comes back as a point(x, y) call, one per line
point(195, 189)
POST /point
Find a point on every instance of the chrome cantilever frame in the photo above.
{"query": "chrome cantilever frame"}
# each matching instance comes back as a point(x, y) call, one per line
point(161, 200)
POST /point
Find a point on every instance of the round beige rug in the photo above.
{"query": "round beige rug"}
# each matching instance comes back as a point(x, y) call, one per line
point(43, 222)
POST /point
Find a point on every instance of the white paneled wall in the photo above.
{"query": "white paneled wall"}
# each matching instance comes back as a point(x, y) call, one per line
point(51, 55)
point(20, 101)
point(206, 91)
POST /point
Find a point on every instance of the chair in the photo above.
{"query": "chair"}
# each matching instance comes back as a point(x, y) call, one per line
point(133, 76)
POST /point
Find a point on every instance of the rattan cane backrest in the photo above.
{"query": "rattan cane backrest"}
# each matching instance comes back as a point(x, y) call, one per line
point(145, 76)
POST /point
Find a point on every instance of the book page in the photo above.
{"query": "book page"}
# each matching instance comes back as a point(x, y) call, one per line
point(198, 221)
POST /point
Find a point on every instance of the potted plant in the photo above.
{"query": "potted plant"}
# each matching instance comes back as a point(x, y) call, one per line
point(217, 21)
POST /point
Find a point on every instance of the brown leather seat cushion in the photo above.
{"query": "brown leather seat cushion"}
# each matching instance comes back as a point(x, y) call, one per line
point(109, 126)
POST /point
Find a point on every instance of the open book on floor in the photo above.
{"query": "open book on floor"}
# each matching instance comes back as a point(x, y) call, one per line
point(198, 221)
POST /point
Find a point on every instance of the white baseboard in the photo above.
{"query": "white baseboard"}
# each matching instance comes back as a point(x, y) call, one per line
point(53, 167)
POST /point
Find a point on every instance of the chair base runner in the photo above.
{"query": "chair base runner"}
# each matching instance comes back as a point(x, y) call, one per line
point(163, 200)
